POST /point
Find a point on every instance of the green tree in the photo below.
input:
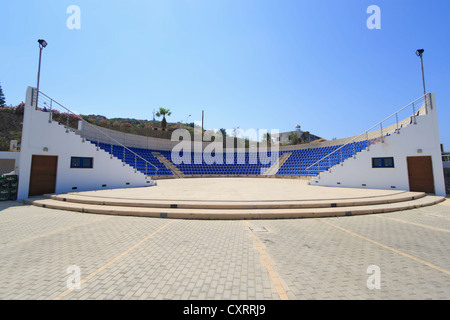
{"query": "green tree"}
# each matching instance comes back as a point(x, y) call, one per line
point(294, 137)
point(223, 132)
point(2, 98)
point(267, 137)
point(163, 112)
point(104, 123)
point(4, 144)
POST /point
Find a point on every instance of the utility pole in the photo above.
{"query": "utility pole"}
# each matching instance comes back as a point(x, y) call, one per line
point(203, 116)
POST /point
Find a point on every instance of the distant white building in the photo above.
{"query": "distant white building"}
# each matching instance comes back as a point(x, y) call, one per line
point(446, 159)
point(286, 137)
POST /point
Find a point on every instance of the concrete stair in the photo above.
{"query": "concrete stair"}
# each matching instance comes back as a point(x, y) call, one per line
point(195, 209)
point(169, 165)
point(277, 165)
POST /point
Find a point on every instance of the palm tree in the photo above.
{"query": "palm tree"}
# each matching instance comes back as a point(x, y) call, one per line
point(163, 112)
point(223, 132)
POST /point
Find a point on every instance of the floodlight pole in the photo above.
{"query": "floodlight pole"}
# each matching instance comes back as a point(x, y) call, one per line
point(39, 74)
point(423, 75)
point(420, 53)
point(42, 44)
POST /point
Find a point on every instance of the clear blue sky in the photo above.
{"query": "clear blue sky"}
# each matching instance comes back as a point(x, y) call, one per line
point(261, 64)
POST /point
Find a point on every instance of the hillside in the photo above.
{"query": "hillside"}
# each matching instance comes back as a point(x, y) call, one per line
point(11, 125)
point(146, 128)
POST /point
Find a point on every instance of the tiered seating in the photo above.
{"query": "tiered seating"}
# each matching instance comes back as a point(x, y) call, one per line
point(139, 163)
point(299, 163)
point(302, 159)
point(242, 164)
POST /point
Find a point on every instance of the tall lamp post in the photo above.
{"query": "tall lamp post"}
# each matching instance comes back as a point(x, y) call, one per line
point(42, 44)
point(419, 53)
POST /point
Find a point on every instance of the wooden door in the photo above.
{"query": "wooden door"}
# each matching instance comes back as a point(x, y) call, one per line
point(420, 174)
point(43, 175)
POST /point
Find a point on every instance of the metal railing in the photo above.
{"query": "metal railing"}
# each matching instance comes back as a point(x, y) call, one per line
point(377, 136)
point(47, 104)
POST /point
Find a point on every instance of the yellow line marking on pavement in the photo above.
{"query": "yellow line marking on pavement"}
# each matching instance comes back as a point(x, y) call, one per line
point(112, 261)
point(414, 223)
point(52, 232)
point(387, 247)
point(268, 264)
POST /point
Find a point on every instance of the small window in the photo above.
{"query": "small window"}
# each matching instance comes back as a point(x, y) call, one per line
point(81, 163)
point(383, 162)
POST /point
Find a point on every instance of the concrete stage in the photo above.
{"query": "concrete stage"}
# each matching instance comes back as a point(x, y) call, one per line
point(237, 198)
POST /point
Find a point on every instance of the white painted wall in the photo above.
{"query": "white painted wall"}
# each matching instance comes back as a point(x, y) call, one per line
point(97, 133)
point(9, 160)
point(423, 136)
point(38, 134)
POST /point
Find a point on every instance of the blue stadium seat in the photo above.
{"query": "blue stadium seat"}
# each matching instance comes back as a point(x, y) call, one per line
point(243, 164)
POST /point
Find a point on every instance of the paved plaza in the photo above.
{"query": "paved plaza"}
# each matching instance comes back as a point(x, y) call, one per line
point(49, 254)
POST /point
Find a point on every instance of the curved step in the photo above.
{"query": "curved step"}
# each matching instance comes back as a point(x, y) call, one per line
point(185, 213)
point(235, 205)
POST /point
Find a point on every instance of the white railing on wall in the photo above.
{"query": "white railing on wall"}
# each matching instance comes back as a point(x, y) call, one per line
point(47, 104)
point(385, 127)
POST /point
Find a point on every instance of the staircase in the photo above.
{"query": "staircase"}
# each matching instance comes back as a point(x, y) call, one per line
point(169, 165)
point(277, 165)
point(375, 134)
point(210, 210)
point(48, 104)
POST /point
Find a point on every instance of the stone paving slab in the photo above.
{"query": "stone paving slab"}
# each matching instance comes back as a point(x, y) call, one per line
point(319, 261)
point(131, 258)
